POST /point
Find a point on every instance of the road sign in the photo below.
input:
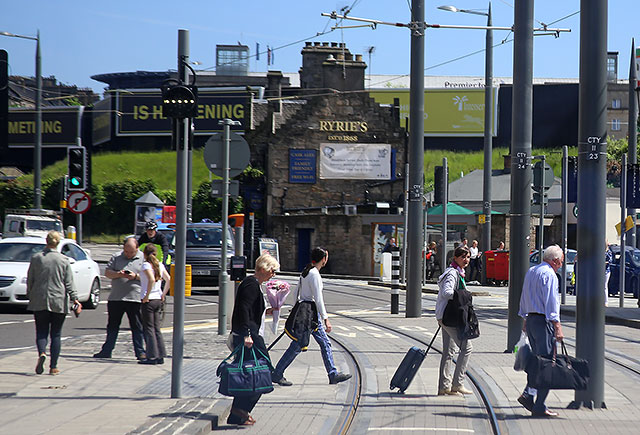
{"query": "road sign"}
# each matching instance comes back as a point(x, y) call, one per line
point(216, 188)
point(78, 202)
point(239, 154)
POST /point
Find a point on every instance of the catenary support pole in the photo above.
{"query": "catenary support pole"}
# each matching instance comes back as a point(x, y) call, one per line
point(633, 134)
point(520, 217)
point(623, 233)
point(37, 151)
point(416, 159)
point(488, 139)
point(592, 155)
point(445, 202)
point(565, 195)
point(180, 137)
point(405, 238)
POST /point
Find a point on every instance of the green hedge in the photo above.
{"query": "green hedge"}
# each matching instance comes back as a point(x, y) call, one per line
point(112, 204)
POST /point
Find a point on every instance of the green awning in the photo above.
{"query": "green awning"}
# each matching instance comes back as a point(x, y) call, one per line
point(452, 209)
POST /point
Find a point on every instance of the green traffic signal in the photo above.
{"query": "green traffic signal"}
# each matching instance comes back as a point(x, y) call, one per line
point(75, 181)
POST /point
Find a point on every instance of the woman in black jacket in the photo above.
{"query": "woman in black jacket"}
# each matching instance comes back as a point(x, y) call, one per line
point(247, 326)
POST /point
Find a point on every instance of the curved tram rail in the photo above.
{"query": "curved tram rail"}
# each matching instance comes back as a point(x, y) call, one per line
point(480, 391)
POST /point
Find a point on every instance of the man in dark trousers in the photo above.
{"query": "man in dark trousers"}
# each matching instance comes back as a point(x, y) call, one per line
point(124, 271)
point(151, 235)
point(540, 310)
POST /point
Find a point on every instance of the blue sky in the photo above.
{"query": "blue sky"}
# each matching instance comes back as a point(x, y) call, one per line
point(83, 38)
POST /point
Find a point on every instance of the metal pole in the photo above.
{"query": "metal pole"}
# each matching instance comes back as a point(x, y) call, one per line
point(190, 174)
point(181, 138)
point(79, 229)
point(623, 204)
point(592, 154)
point(252, 218)
point(445, 201)
point(565, 195)
point(416, 158)
point(405, 239)
point(521, 173)
point(543, 193)
point(633, 133)
point(37, 151)
point(223, 280)
point(488, 139)
point(425, 244)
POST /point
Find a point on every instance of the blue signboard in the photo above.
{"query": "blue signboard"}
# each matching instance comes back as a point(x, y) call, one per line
point(302, 166)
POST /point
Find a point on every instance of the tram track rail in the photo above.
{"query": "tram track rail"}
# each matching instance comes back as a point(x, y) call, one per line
point(481, 392)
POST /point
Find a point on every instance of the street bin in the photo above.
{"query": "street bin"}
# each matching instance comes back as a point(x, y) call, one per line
point(497, 266)
point(187, 280)
point(71, 232)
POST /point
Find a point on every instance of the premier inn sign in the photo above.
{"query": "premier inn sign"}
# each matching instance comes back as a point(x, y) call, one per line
point(447, 112)
point(139, 112)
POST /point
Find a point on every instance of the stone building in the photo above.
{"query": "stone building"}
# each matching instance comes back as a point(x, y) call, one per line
point(334, 165)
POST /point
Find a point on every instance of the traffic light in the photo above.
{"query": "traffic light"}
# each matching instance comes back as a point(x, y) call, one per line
point(77, 158)
point(441, 182)
point(179, 101)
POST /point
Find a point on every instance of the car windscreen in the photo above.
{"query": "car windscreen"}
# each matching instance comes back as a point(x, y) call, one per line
point(571, 257)
point(204, 237)
point(44, 225)
point(169, 235)
point(20, 252)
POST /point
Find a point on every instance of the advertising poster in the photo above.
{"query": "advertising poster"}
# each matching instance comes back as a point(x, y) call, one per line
point(359, 161)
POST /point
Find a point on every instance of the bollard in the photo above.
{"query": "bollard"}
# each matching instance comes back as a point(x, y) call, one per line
point(71, 232)
point(187, 280)
point(395, 280)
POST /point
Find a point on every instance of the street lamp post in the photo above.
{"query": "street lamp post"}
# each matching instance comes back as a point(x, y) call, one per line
point(488, 122)
point(37, 149)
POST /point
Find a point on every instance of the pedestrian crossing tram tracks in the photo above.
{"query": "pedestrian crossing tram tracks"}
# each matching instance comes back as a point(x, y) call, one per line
point(480, 389)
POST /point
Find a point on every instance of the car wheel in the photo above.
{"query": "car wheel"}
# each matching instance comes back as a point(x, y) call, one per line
point(94, 296)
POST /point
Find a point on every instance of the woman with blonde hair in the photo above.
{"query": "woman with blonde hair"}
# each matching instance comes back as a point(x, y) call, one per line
point(247, 327)
point(152, 296)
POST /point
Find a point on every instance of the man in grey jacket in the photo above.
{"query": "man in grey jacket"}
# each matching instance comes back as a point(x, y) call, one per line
point(124, 271)
point(49, 282)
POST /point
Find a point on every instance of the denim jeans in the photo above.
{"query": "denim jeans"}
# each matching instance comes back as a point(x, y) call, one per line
point(320, 335)
point(48, 323)
point(541, 339)
point(116, 310)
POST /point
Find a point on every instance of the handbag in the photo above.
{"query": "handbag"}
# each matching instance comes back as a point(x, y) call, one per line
point(302, 321)
point(558, 372)
point(242, 377)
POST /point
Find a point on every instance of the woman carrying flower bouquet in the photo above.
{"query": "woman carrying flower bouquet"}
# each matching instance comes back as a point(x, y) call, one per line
point(310, 289)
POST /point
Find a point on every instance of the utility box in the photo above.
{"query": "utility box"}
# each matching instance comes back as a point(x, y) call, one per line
point(238, 267)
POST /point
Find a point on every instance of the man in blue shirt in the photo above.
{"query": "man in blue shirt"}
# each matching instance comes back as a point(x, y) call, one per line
point(540, 310)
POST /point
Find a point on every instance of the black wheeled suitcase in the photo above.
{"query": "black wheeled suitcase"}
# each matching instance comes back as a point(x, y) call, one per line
point(409, 366)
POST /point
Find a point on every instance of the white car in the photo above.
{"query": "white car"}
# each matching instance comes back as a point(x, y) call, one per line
point(15, 255)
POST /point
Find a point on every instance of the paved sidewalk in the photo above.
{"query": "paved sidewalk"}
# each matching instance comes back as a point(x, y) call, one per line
point(119, 396)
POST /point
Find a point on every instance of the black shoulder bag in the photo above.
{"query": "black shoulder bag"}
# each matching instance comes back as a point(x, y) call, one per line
point(459, 312)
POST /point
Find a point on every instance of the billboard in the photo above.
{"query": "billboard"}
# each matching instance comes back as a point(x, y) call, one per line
point(360, 161)
point(139, 112)
point(102, 121)
point(447, 112)
point(60, 126)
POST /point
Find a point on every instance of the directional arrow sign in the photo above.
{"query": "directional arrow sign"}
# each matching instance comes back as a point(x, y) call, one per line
point(239, 154)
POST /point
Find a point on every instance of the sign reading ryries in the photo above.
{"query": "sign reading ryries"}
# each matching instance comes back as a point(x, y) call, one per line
point(140, 111)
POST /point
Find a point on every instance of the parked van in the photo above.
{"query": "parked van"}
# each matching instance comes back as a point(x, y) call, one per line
point(30, 223)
